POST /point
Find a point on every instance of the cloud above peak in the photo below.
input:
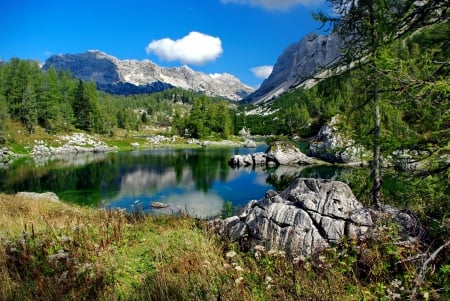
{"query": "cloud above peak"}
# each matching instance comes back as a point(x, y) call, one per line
point(196, 48)
point(262, 71)
point(274, 4)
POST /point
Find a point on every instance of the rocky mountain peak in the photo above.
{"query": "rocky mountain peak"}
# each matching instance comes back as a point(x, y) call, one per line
point(125, 77)
point(298, 63)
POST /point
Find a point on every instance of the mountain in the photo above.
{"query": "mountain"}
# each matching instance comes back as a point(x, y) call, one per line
point(133, 77)
point(299, 63)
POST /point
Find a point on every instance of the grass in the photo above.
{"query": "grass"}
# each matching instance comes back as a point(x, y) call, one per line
point(50, 250)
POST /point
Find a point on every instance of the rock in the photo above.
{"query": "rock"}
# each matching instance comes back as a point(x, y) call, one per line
point(331, 146)
point(259, 158)
point(250, 143)
point(241, 160)
point(134, 145)
point(410, 229)
point(51, 196)
point(244, 132)
point(284, 153)
point(6, 156)
point(158, 205)
point(305, 218)
point(278, 153)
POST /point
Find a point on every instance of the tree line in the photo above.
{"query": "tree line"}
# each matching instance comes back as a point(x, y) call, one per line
point(58, 102)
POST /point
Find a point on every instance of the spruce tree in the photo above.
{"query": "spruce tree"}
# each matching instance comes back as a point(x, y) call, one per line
point(367, 28)
point(81, 107)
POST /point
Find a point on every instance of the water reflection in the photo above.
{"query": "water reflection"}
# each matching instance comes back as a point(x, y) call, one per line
point(197, 181)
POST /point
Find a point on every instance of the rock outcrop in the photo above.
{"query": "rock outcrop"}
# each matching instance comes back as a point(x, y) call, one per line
point(298, 63)
point(331, 146)
point(312, 214)
point(134, 77)
point(278, 153)
point(305, 218)
point(73, 144)
point(6, 156)
point(283, 153)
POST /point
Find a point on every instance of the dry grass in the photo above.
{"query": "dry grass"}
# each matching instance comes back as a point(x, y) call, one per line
point(54, 251)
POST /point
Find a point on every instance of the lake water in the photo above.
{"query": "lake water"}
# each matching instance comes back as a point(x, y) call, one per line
point(197, 181)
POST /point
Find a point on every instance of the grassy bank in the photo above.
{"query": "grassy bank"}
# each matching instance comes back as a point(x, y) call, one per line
point(50, 250)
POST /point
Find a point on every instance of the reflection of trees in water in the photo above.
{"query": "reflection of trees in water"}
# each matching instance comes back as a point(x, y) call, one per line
point(86, 184)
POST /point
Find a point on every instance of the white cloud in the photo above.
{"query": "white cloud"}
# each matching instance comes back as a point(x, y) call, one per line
point(274, 4)
point(196, 48)
point(262, 71)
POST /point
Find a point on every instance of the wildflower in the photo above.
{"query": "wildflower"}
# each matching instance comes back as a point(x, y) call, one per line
point(260, 248)
point(299, 259)
point(396, 283)
point(238, 268)
point(239, 280)
point(231, 254)
point(206, 263)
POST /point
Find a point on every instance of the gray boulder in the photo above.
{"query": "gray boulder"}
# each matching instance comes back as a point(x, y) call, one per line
point(249, 143)
point(331, 146)
point(284, 153)
point(305, 218)
point(241, 160)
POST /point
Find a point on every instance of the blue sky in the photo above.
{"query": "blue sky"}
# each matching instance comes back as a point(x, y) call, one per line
point(212, 36)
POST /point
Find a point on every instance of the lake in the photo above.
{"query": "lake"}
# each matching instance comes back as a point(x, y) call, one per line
point(197, 181)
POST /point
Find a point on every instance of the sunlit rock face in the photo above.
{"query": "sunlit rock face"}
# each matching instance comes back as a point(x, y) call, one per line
point(126, 77)
point(298, 63)
point(332, 146)
point(305, 218)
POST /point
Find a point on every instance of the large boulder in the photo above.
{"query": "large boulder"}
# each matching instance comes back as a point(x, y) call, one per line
point(305, 218)
point(284, 153)
point(331, 146)
point(278, 153)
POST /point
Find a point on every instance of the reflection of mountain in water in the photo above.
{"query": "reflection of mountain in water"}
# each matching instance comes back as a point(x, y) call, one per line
point(198, 181)
point(143, 181)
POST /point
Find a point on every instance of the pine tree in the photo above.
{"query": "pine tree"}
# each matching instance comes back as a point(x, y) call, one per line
point(49, 115)
point(82, 108)
point(66, 87)
point(367, 28)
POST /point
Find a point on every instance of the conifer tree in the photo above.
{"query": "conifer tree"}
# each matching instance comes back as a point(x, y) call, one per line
point(82, 107)
point(49, 115)
point(367, 28)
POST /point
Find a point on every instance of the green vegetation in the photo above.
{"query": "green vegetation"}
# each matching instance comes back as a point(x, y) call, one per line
point(396, 98)
point(54, 251)
point(57, 102)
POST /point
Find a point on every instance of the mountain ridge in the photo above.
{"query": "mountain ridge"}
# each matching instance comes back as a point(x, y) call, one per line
point(297, 65)
point(130, 76)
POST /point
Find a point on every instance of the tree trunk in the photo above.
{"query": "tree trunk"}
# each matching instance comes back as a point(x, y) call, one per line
point(376, 173)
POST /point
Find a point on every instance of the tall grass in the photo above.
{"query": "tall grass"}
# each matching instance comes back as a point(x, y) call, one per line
point(53, 251)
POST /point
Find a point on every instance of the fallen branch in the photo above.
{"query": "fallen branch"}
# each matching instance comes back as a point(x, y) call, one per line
point(423, 269)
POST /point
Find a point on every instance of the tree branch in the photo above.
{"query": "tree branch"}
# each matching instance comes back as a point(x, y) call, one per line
point(423, 269)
